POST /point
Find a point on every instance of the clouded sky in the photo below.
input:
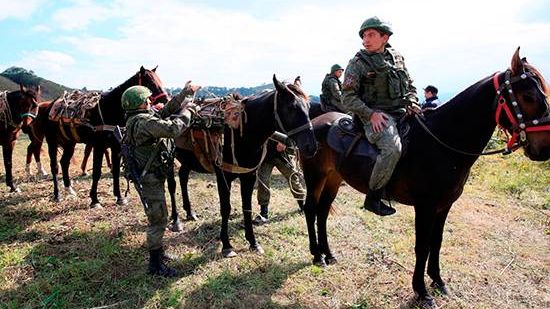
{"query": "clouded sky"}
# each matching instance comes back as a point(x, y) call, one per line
point(99, 44)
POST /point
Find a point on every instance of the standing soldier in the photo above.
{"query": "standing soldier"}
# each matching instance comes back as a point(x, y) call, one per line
point(377, 88)
point(331, 96)
point(150, 138)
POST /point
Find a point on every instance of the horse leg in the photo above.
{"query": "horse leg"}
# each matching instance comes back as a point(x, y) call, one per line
point(52, 152)
point(424, 223)
point(184, 180)
point(224, 192)
point(7, 151)
point(247, 187)
point(435, 246)
point(108, 159)
point(98, 148)
point(30, 151)
point(65, 162)
point(115, 172)
point(87, 151)
point(176, 223)
point(314, 184)
point(327, 197)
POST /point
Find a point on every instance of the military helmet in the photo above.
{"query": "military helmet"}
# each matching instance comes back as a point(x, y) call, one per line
point(335, 68)
point(375, 23)
point(134, 97)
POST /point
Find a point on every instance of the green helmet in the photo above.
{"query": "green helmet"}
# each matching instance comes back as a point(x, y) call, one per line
point(375, 23)
point(335, 68)
point(134, 97)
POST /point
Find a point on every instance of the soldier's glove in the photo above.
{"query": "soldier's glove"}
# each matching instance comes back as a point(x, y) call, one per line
point(190, 88)
point(414, 109)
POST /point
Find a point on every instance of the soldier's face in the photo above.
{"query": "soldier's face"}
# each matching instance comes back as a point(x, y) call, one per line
point(374, 41)
point(338, 73)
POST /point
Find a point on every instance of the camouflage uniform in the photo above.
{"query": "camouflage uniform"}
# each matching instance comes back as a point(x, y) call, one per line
point(379, 82)
point(145, 130)
point(331, 89)
point(284, 162)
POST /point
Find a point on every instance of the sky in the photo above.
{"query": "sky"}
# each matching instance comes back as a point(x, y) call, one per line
point(100, 44)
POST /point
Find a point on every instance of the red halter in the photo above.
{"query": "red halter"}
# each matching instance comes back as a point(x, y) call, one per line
point(519, 127)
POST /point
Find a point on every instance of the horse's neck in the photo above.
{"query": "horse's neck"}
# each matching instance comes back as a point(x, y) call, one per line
point(467, 121)
point(111, 109)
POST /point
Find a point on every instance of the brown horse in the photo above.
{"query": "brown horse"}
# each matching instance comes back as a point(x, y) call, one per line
point(455, 134)
point(36, 136)
point(99, 131)
point(17, 110)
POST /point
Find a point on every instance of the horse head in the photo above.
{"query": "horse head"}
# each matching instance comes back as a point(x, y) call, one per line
point(292, 103)
point(151, 80)
point(526, 97)
point(26, 107)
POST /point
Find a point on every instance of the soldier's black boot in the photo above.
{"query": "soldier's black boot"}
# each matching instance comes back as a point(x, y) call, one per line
point(374, 203)
point(158, 267)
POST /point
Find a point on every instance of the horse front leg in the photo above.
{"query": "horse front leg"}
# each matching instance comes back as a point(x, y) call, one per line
point(224, 193)
point(96, 175)
point(52, 152)
point(65, 162)
point(7, 151)
point(115, 171)
point(176, 225)
point(247, 187)
point(184, 180)
point(424, 223)
point(327, 197)
point(434, 270)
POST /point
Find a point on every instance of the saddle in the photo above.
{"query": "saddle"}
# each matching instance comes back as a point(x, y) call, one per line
point(74, 107)
point(205, 135)
point(347, 137)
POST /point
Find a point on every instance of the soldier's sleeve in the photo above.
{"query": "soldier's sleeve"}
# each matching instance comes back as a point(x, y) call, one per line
point(337, 94)
point(169, 128)
point(175, 103)
point(350, 90)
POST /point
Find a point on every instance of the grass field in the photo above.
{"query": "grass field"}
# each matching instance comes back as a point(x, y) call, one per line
point(496, 249)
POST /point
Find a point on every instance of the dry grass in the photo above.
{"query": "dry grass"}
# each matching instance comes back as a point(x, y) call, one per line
point(495, 253)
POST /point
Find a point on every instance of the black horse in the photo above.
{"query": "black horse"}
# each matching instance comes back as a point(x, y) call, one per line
point(97, 131)
point(286, 110)
point(17, 111)
point(514, 100)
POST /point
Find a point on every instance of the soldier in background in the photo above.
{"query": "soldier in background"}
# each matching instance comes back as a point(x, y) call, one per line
point(377, 88)
point(430, 94)
point(150, 137)
point(331, 88)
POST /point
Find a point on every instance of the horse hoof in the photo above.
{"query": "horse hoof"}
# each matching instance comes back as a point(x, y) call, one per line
point(319, 262)
point(56, 199)
point(15, 190)
point(177, 226)
point(440, 289)
point(258, 249)
point(425, 302)
point(70, 191)
point(96, 205)
point(228, 253)
point(192, 217)
point(331, 260)
point(122, 201)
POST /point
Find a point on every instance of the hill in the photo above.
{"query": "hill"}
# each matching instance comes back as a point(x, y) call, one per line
point(7, 84)
point(16, 75)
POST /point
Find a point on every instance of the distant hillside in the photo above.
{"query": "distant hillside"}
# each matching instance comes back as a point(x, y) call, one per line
point(7, 84)
point(50, 90)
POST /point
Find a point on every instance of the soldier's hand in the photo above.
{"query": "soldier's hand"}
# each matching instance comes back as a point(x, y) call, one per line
point(191, 88)
point(378, 121)
point(414, 109)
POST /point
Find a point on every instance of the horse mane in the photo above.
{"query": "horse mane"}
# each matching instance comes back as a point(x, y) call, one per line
point(297, 90)
point(539, 76)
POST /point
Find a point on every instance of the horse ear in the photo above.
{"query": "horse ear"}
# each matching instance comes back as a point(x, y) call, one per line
point(155, 69)
point(278, 85)
point(298, 81)
point(22, 88)
point(142, 70)
point(38, 90)
point(517, 64)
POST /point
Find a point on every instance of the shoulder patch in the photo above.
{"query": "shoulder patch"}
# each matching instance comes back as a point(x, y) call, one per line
point(349, 81)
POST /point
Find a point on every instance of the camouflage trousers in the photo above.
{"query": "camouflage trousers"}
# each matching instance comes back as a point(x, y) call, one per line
point(156, 211)
point(286, 166)
point(389, 143)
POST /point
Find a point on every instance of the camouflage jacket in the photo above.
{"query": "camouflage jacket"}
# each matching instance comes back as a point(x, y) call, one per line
point(377, 82)
point(145, 129)
point(331, 99)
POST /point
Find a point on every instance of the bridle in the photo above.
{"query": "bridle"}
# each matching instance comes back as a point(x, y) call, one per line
point(518, 128)
point(8, 113)
point(305, 126)
point(152, 98)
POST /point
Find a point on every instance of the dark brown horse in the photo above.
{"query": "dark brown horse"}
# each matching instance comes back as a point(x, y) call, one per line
point(284, 110)
point(98, 131)
point(17, 110)
point(36, 136)
point(463, 127)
